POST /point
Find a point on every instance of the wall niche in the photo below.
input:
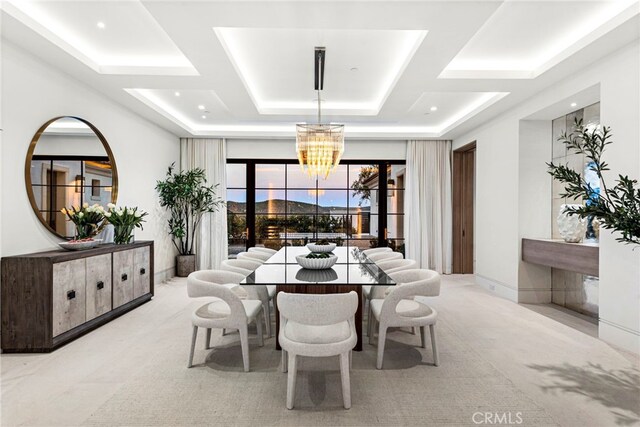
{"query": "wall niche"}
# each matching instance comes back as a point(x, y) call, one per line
point(575, 291)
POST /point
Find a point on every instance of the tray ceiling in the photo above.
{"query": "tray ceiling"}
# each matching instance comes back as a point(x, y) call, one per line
point(394, 69)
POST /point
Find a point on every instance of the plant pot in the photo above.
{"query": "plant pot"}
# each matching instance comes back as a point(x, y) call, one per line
point(185, 265)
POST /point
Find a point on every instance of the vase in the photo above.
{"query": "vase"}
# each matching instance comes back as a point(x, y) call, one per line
point(572, 228)
point(185, 265)
point(123, 234)
point(85, 231)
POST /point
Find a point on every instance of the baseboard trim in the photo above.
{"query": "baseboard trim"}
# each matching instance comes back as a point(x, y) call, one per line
point(164, 275)
point(619, 335)
point(501, 289)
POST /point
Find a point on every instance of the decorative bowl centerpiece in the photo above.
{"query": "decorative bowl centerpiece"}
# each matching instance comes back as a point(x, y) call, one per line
point(317, 261)
point(78, 245)
point(321, 246)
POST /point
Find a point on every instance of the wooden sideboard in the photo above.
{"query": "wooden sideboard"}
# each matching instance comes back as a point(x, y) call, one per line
point(51, 298)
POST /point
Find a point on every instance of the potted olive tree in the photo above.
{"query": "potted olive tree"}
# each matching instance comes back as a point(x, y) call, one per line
point(615, 207)
point(187, 197)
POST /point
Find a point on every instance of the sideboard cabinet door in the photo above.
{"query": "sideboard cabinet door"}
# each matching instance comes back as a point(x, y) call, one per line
point(122, 277)
point(98, 285)
point(68, 295)
point(141, 272)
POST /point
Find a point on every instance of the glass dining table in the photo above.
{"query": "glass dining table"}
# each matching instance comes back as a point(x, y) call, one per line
point(351, 272)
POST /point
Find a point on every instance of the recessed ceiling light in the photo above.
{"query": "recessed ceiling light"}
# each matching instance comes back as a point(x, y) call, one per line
point(204, 117)
point(434, 108)
point(177, 93)
point(573, 104)
point(200, 107)
point(101, 25)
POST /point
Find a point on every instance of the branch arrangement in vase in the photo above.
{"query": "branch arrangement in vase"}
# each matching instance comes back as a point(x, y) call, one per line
point(187, 197)
point(124, 220)
point(617, 208)
point(88, 220)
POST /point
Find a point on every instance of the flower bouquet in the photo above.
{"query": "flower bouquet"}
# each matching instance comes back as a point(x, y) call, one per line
point(124, 220)
point(87, 219)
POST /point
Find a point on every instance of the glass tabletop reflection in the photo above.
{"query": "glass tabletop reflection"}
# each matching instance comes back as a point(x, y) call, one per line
point(351, 268)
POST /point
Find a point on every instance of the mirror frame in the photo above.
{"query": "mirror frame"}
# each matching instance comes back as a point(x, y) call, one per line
point(27, 168)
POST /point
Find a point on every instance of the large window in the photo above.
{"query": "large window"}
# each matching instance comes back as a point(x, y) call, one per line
point(273, 204)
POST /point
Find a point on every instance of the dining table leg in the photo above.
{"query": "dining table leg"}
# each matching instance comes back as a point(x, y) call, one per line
point(323, 289)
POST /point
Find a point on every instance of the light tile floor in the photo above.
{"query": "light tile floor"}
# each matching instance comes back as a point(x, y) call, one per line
point(497, 357)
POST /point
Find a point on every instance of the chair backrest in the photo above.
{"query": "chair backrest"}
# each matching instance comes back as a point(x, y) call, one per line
point(243, 266)
point(379, 256)
point(416, 282)
point(256, 256)
point(376, 250)
point(310, 309)
point(228, 267)
point(212, 283)
point(409, 284)
point(265, 250)
point(395, 265)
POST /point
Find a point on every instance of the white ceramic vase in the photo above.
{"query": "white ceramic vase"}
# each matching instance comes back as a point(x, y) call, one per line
point(572, 228)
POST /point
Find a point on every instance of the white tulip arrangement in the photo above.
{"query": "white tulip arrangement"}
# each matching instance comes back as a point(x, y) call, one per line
point(124, 220)
point(87, 219)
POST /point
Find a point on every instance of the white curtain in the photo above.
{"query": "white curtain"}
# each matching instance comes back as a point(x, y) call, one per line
point(211, 156)
point(428, 217)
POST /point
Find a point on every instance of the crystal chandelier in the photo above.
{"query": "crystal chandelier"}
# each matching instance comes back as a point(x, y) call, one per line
point(319, 146)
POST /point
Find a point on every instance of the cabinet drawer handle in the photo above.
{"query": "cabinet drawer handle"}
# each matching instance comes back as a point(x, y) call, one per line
point(124, 277)
point(100, 284)
point(71, 294)
point(142, 271)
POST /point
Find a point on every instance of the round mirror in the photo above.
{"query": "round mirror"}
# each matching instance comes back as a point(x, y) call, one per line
point(68, 163)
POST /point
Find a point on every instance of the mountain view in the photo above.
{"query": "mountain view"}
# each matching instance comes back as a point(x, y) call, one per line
point(279, 206)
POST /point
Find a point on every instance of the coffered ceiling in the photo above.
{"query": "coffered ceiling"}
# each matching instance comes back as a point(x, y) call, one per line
point(394, 69)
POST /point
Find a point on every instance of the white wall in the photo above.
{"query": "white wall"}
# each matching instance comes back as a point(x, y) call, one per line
point(354, 149)
point(500, 214)
point(34, 92)
point(534, 206)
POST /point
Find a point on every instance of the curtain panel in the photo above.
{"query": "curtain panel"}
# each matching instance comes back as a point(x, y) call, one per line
point(209, 155)
point(428, 201)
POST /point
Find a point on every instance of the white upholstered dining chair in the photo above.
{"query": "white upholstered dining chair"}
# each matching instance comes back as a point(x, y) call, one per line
point(378, 292)
point(261, 249)
point(260, 292)
point(226, 311)
point(393, 265)
point(377, 250)
point(244, 266)
point(384, 256)
point(317, 326)
point(400, 309)
point(254, 255)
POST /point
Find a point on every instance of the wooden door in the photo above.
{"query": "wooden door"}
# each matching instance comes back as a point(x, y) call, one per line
point(122, 277)
point(98, 285)
point(141, 272)
point(68, 295)
point(463, 208)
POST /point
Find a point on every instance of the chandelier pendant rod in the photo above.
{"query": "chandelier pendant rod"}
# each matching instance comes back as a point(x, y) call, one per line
point(319, 113)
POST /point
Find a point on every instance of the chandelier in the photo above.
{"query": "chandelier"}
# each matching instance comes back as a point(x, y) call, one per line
point(319, 146)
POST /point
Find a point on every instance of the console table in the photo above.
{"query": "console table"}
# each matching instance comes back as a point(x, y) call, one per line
point(578, 257)
point(51, 298)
